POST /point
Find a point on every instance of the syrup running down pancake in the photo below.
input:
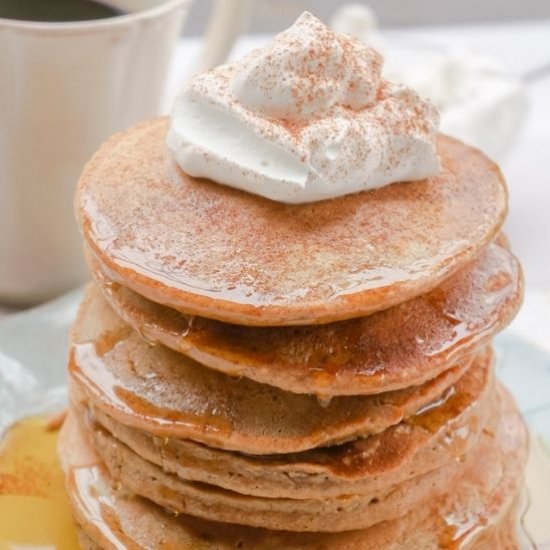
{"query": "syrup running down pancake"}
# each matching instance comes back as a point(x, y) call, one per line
point(164, 392)
point(396, 348)
point(213, 251)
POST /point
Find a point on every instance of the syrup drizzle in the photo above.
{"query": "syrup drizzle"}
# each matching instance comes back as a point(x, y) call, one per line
point(34, 509)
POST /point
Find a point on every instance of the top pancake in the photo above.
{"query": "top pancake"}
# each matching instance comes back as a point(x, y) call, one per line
point(213, 251)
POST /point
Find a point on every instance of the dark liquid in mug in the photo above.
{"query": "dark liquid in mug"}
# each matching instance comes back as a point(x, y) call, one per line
point(56, 10)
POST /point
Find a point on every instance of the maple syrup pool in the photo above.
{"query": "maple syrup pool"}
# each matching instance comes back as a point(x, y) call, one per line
point(34, 509)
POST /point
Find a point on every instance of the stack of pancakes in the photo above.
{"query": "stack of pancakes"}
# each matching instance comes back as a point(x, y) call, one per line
point(250, 374)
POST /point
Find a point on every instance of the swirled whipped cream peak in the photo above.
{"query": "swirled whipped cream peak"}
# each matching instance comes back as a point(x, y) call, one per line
point(306, 118)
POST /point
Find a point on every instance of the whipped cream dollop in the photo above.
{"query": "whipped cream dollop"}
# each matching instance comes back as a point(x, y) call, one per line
point(307, 118)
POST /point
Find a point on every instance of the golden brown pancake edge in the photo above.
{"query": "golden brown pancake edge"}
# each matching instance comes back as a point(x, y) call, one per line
point(213, 251)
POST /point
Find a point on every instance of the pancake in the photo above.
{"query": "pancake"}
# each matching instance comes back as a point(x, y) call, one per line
point(396, 348)
point(502, 535)
point(210, 250)
point(343, 512)
point(367, 466)
point(322, 514)
point(168, 394)
point(112, 517)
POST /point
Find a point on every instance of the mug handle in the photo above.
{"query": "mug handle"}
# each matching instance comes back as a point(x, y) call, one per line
point(227, 20)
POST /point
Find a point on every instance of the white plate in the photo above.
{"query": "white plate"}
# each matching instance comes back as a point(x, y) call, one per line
point(33, 358)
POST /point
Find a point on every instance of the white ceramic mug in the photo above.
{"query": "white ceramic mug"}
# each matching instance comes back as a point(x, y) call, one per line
point(64, 88)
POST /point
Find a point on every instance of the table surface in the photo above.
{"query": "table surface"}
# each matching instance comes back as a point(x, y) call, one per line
point(524, 47)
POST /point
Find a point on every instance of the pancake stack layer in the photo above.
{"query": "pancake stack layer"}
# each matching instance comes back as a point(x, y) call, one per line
point(249, 374)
